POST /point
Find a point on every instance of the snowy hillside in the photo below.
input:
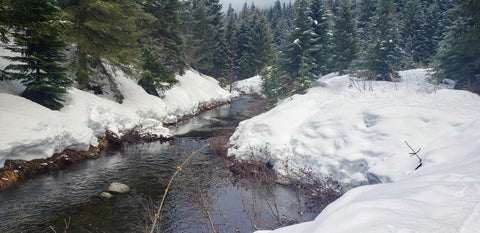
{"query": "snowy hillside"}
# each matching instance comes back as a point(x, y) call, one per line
point(356, 131)
point(31, 131)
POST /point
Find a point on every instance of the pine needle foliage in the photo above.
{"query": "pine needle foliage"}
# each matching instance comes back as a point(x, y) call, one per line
point(38, 33)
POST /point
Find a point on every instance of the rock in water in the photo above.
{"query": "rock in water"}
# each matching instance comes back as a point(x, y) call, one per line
point(105, 195)
point(116, 187)
point(214, 120)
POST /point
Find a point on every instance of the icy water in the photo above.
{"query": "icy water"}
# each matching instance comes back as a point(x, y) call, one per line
point(70, 197)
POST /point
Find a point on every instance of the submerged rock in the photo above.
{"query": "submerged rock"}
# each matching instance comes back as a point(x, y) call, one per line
point(105, 195)
point(283, 181)
point(116, 187)
point(214, 120)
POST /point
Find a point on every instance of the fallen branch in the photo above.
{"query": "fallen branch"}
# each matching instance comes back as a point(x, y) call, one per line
point(416, 154)
point(179, 168)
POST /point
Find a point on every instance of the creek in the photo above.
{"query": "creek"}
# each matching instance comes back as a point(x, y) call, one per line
point(70, 197)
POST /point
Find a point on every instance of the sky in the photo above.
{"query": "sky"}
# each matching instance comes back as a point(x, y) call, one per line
point(238, 4)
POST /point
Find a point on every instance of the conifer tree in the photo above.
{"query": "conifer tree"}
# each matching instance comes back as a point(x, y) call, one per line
point(3, 21)
point(459, 55)
point(220, 59)
point(296, 65)
point(365, 15)
point(279, 22)
point(410, 29)
point(38, 33)
point(344, 37)
point(232, 45)
point(102, 29)
point(206, 47)
point(430, 34)
point(163, 53)
point(322, 40)
point(254, 42)
point(385, 55)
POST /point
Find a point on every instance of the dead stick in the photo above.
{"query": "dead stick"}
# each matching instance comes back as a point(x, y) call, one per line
point(415, 153)
point(179, 168)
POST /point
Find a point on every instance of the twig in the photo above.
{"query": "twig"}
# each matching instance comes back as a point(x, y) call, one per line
point(415, 153)
point(179, 168)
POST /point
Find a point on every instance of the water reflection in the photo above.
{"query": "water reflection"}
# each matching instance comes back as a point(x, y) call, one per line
point(204, 185)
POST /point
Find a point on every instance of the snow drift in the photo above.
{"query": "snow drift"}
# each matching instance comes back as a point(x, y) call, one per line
point(31, 131)
point(355, 132)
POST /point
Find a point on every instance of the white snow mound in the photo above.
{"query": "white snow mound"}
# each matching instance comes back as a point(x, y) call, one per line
point(30, 131)
point(350, 129)
point(249, 86)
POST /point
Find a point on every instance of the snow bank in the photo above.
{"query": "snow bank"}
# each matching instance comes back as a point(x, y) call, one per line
point(249, 86)
point(31, 131)
point(350, 130)
point(441, 196)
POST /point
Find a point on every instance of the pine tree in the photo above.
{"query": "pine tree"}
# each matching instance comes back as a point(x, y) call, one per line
point(365, 15)
point(163, 54)
point(102, 29)
point(321, 28)
point(254, 42)
point(220, 59)
point(459, 55)
point(430, 35)
point(39, 38)
point(206, 47)
point(279, 18)
point(232, 45)
point(296, 65)
point(3, 22)
point(344, 37)
point(385, 55)
point(410, 29)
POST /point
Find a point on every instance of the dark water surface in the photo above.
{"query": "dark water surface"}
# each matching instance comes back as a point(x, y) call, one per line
point(71, 195)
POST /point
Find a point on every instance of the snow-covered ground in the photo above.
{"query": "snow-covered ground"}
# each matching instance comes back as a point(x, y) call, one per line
point(355, 131)
point(31, 131)
point(248, 86)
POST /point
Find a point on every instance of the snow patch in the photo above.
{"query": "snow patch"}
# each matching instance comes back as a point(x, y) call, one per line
point(249, 86)
point(349, 133)
point(32, 131)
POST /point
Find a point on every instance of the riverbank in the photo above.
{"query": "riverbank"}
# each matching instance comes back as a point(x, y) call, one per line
point(35, 133)
point(412, 147)
point(236, 198)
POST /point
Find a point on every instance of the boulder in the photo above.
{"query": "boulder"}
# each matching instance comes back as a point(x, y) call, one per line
point(105, 195)
point(116, 187)
point(214, 120)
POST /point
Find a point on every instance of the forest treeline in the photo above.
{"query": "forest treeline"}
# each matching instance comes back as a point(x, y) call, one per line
point(66, 42)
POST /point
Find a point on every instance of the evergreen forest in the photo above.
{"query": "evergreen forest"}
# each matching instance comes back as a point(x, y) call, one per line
point(64, 43)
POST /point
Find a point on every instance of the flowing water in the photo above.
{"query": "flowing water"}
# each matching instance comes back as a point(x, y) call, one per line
point(70, 197)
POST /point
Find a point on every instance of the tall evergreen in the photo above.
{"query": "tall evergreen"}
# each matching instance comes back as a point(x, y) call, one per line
point(163, 54)
point(279, 18)
point(220, 59)
point(365, 15)
point(431, 34)
point(345, 46)
point(254, 43)
point(102, 29)
point(296, 66)
point(38, 33)
point(459, 55)
point(206, 47)
point(385, 55)
point(3, 21)
point(320, 25)
point(411, 29)
point(232, 45)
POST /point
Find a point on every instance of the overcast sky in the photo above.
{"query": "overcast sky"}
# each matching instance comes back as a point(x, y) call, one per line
point(238, 4)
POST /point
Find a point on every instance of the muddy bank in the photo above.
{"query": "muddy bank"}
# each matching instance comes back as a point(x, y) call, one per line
point(15, 171)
